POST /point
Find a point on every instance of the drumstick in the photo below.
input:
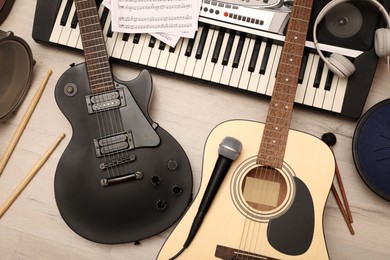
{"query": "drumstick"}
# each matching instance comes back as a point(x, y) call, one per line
point(343, 212)
point(23, 123)
point(30, 175)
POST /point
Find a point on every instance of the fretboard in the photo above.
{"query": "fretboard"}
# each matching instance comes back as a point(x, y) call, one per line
point(96, 58)
point(273, 144)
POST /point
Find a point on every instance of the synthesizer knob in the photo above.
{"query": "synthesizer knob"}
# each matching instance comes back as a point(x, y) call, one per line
point(155, 180)
point(172, 165)
point(161, 205)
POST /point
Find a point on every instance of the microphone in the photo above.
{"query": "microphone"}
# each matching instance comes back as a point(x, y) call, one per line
point(229, 150)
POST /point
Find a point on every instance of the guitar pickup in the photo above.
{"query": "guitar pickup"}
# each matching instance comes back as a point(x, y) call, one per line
point(115, 143)
point(105, 101)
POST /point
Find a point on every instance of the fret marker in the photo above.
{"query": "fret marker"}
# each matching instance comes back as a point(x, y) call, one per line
point(276, 128)
point(296, 37)
point(291, 59)
point(286, 107)
point(273, 141)
point(286, 79)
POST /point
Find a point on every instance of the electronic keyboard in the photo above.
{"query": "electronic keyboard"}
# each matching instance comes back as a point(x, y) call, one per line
point(236, 47)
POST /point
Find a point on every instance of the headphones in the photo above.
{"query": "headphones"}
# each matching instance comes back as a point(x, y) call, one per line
point(337, 63)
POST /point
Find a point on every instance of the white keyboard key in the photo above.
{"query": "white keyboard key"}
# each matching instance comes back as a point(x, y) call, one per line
point(255, 75)
point(227, 70)
point(265, 78)
point(340, 93)
point(245, 73)
point(209, 65)
point(301, 88)
point(128, 48)
point(57, 28)
point(201, 63)
point(310, 90)
point(218, 67)
point(174, 56)
point(137, 49)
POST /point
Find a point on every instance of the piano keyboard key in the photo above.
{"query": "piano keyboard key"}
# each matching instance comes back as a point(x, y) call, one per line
point(200, 63)
point(227, 69)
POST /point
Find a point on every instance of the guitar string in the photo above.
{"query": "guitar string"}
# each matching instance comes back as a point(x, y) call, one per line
point(108, 121)
point(245, 248)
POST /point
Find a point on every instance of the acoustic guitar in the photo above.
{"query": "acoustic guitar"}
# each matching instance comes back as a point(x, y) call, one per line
point(122, 177)
point(270, 204)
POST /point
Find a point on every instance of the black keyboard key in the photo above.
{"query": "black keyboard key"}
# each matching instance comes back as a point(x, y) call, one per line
point(264, 62)
point(238, 54)
point(103, 18)
point(329, 80)
point(302, 70)
point(255, 55)
point(125, 37)
point(152, 42)
point(202, 42)
point(317, 79)
point(65, 14)
point(218, 46)
point(74, 22)
point(161, 46)
point(136, 38)
point(190, 46)
point(228, 49)
point(109, 31)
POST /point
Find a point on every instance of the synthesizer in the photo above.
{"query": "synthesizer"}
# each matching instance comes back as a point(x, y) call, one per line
point(236, 47)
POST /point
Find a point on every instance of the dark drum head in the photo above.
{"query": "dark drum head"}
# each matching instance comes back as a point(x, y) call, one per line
point(371, 148)
point(15, 73)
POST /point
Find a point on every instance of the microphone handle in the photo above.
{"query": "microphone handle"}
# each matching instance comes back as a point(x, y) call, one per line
point(220, 170)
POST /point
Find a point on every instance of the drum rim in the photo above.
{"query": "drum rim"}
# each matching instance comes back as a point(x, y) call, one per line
point(9, 36)
point(355, 148)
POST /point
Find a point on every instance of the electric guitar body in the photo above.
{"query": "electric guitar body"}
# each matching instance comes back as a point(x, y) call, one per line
point(270, 204)
point(122, 177)
point(259, 212)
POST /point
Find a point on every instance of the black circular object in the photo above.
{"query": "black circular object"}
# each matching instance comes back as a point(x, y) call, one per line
point(16, 63)
point(371, 148)
point(329, 139)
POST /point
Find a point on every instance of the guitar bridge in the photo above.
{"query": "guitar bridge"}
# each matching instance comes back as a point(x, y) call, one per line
point(226, 253)
point(119, 179)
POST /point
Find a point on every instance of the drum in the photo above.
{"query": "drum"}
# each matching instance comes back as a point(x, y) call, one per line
point(371, 148)
point(16, 65)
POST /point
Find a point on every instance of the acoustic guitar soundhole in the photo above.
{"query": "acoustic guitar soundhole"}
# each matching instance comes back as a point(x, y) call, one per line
point(264, 188)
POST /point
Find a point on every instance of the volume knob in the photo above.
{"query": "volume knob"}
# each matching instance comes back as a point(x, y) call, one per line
point(172, 165)
point(161, 205)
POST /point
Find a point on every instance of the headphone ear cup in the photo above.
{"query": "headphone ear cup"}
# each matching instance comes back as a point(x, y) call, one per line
point(382, 42)
point(340, 65)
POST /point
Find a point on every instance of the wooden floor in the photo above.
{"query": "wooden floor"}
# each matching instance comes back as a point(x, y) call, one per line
point(33, 229)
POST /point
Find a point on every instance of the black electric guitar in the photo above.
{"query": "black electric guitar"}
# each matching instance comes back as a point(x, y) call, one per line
point(270, 204)
point(122, 177)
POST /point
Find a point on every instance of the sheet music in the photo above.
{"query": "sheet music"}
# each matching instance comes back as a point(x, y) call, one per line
point(166, 20)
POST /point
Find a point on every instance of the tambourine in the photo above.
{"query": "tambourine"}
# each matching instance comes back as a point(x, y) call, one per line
point(16, 65)
point(371, 148)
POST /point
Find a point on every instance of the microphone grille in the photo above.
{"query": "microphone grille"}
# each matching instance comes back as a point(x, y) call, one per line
point(230, 148)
